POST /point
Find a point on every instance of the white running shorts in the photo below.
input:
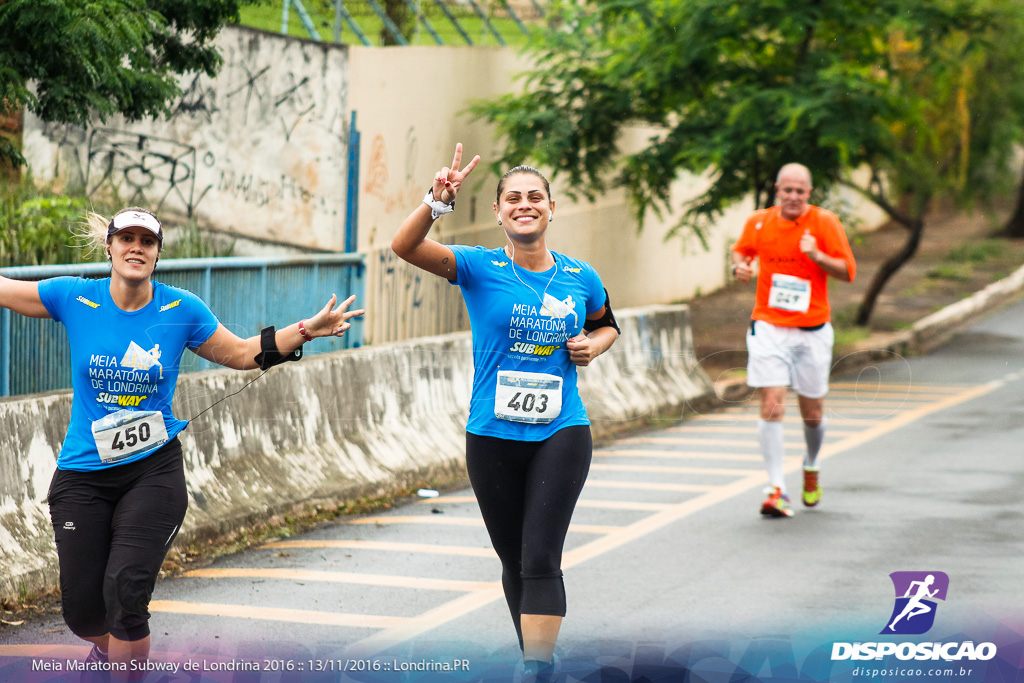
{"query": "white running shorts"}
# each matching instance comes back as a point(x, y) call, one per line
point(788, 356)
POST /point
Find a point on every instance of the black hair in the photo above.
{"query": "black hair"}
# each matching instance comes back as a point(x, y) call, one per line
point(522, 169)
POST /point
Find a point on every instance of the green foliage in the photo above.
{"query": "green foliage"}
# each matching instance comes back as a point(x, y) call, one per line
point(37, 228)
point(735, 90)
point(70, 61)
point(188, 241)
point(40, 227)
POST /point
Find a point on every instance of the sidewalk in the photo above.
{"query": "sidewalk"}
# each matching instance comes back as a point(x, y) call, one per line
point(960, 272)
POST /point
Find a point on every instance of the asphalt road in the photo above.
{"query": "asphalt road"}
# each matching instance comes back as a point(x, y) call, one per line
point(669, 567)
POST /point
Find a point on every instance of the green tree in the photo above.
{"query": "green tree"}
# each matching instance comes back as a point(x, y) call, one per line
point(736, 89)
point(70, 60)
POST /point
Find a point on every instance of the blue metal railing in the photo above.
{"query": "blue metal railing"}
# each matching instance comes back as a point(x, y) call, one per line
point(246, 294)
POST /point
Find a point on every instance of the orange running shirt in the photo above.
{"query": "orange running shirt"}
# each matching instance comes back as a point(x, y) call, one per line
point(786, 273)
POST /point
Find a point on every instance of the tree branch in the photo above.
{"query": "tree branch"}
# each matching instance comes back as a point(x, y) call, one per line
point(904, 219)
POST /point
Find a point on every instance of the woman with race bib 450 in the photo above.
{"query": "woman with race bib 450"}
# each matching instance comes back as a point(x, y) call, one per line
point(535, 315)
point(118, 497)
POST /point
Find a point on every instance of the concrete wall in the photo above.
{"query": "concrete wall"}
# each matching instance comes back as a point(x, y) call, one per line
point(330, 428)
point(261, 150)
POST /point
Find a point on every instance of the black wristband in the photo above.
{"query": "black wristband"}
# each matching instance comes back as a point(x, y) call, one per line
point(269, 355)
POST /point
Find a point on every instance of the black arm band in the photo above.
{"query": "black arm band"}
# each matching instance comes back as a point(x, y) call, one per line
point(269, 356)
point(606, 320)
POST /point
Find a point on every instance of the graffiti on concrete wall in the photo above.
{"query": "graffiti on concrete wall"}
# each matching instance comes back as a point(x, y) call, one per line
point(142, 168)
point(417, 303)
point(269, 132)
point(398, 194)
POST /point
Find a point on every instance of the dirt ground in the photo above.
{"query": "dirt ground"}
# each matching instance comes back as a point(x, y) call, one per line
point(959, 254)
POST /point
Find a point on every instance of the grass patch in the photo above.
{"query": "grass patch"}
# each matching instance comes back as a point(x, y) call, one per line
point(957, 272)
point(850, 335)
point(976, 252)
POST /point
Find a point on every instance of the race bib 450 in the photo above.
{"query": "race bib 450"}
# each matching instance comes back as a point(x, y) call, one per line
point(126, 433)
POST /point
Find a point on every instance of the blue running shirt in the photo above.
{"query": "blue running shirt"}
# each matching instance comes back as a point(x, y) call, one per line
point(121, 360)
point(514, 331)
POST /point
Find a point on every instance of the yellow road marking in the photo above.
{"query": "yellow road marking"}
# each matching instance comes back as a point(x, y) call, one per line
point(646, 485)
point(881, 394)
point(672, 455)
point(46, 651)
point(397, 629)
point(789, 427)
point(295, 616)
point(682, 441)
point(391, 581)
point(582, 503)
point(417, 625)
point(441, 520)
point(677, 470)
point(461, 550)
point(753, 417)
point(925, 388)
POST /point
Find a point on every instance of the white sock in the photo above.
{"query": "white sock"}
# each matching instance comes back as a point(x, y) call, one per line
point(773, 447)
point(814, 437)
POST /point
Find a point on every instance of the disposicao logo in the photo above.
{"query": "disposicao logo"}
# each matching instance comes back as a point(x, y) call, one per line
point(913, 614)
point(916, 595)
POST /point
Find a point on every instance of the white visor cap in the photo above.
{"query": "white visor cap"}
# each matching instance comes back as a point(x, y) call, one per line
point(126, 219)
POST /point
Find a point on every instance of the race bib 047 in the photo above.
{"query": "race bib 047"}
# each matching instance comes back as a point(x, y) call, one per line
point(790, 293)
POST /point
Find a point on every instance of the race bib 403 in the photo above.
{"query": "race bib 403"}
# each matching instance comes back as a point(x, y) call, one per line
point(532, 397)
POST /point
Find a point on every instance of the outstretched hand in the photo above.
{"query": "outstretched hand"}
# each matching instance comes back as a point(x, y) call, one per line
point(331, 321)
point(448, 180)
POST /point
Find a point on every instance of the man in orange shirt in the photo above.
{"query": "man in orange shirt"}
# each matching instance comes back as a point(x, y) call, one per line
point(797, 247)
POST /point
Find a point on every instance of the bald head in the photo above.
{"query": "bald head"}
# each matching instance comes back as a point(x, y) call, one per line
point(793, 190)
point(797, 172)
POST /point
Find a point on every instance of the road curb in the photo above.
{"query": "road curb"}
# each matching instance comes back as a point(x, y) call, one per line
point(923, 336)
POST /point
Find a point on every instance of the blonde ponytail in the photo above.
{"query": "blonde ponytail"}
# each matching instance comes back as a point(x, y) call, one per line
point(92, 233)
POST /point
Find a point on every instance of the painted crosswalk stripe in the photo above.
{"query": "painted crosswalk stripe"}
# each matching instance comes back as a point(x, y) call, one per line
point(465, 551)
point(303, 575)
point(295, 616)
point(477, 522)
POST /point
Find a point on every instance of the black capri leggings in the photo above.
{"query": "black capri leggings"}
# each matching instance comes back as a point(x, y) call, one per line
point(527, 491)
point(113, 528)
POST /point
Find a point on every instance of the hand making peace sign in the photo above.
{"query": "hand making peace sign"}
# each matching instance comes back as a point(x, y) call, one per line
point(448, 180)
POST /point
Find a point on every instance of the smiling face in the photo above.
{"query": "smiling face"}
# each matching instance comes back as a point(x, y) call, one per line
point(524, 206)
point(133, 253)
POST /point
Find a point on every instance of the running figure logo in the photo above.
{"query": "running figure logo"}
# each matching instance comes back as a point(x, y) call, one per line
point(916, 593)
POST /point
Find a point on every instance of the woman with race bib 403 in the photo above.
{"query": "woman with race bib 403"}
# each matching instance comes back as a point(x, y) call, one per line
point(535, 315)
point(118, 496)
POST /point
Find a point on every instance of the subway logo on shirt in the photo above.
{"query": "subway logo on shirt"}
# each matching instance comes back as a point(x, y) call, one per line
point(529, 349)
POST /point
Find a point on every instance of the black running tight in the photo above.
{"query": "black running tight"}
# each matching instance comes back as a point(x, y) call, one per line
point(527, 491)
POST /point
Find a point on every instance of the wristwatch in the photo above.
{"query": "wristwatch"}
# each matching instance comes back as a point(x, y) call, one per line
point(437, 207)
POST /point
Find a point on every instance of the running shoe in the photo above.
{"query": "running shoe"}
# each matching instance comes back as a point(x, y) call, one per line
point(97, 655)
point(777, 503)
point(812, 491)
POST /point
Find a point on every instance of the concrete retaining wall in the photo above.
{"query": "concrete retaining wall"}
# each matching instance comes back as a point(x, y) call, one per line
point(329, 428)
